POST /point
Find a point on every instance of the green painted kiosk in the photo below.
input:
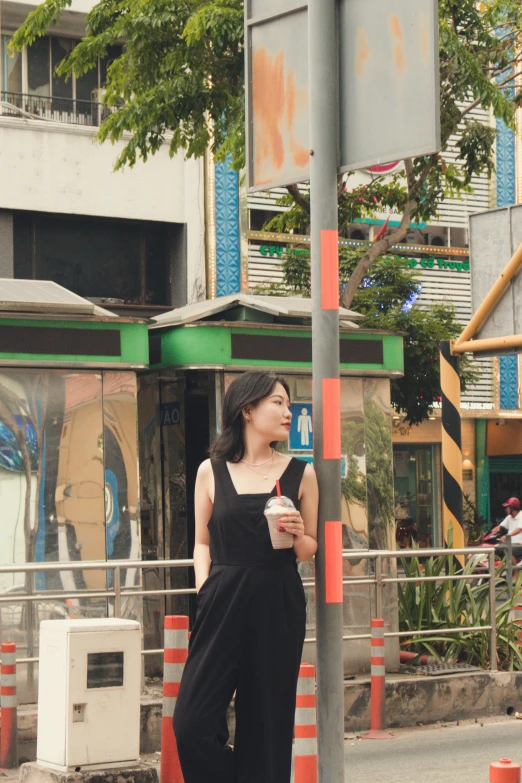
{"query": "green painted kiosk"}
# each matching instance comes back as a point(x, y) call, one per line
point(69, 486)
point(195, 353)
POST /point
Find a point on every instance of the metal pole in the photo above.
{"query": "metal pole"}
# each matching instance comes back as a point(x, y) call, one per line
point(493, 611)
point(497, 289)
point(451, 448)
point(117, 591)
point(324, 123)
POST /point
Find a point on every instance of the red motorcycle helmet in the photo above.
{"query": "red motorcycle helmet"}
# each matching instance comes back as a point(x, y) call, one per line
point(512, 502)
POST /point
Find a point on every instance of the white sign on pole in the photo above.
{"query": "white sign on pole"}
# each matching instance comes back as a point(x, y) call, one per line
point(494, 236)
point(388, 86)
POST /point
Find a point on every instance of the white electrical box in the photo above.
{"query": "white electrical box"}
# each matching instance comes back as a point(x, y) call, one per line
point(89, 694)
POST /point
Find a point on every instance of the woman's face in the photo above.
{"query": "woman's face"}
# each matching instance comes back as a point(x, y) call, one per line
point(271, 417)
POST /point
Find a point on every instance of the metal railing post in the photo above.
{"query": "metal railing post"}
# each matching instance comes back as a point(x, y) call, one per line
point(493, 611)
point(117, 591)
point(30, 631)
point(378, 586)
point(509, 566)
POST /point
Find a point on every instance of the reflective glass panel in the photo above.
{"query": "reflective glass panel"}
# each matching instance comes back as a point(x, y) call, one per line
point(120, 439)
point(11, 70)
point(52, 497)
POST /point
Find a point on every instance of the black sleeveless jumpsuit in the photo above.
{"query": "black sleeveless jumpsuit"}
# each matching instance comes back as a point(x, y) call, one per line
point(248, 638)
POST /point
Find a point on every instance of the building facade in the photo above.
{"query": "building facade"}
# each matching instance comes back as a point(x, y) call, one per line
point(136, 237)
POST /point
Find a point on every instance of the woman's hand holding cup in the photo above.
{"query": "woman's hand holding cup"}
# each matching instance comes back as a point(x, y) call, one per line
point(292, 523)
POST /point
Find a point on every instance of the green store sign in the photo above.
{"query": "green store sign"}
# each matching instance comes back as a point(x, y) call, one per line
point(439, 264)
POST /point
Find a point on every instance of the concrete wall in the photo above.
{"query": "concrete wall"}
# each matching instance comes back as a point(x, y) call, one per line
point(61, 169)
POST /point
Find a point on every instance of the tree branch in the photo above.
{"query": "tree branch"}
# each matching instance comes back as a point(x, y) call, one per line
point(373, 252)
point(392, 237)
point(476, 103)
point(299, 198)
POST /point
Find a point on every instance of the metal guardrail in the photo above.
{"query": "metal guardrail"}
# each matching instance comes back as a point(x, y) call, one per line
point(72, 111)
point(119, 591)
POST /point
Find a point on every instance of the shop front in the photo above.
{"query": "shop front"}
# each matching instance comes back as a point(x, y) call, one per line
point(68, 453)
point(417, 490)
point(196, 352)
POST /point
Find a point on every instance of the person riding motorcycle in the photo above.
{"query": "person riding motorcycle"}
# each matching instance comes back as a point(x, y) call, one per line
point(510, 527)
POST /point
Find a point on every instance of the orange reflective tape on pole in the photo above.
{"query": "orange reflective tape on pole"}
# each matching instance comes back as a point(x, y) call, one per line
point(333, 546)
point(329, 270)
point(174, 657)
point(8, 703)
point(305, 746)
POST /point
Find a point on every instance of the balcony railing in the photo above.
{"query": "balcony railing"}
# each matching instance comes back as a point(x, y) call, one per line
point(67, 110)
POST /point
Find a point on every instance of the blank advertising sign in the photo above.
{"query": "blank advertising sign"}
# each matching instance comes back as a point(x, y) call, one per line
point(389, 81)
point(277, 93)
point(493, 238)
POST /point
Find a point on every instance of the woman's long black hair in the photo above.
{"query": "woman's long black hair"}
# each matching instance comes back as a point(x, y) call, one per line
point(249, 389)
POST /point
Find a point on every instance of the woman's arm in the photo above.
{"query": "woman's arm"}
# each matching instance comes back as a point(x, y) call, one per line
point(303, 524)
point(203, 512)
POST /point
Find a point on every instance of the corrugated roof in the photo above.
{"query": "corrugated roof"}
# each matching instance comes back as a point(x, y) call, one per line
point(278, 306)
point(44, 296)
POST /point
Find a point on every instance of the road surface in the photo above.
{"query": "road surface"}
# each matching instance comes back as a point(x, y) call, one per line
point(440, 754)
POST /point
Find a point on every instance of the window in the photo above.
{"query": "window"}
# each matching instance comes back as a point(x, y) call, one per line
point(30, 82)
point(39, 68)
point(11, 69)
point(98, 257)
point(60, 48)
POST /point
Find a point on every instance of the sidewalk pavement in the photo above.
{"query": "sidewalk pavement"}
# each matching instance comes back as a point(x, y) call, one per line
point(435, 754)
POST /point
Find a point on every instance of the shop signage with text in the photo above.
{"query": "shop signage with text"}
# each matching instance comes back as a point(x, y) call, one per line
point(439, 264)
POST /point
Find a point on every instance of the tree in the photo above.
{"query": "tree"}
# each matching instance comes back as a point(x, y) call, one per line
point(181, 73)
point(386, 298)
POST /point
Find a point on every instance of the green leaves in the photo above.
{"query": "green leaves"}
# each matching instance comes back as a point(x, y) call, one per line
point(385, 298)
point(442, 605)
point(179, 79)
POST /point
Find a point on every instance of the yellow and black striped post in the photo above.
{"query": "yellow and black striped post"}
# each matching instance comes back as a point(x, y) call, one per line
point(451, 447)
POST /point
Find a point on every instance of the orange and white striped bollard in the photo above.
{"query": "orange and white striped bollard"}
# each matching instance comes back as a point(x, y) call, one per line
point(378, 685)
point(305, 748)
point(8, 703)
point(174, 657)
point(504, 771)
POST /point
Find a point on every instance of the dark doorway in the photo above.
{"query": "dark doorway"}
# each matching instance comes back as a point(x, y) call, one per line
point(197, 442)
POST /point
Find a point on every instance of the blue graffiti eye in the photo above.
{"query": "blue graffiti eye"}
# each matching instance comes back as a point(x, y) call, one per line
point(11, 456)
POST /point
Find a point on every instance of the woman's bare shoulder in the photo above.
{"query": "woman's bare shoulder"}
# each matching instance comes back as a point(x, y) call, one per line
point(205, 469)
point(205, 480)
point(309, 478)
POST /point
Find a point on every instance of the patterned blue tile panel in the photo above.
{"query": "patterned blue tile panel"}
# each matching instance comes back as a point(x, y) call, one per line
point(228, 251)
point(508, 383)
point(506, 188)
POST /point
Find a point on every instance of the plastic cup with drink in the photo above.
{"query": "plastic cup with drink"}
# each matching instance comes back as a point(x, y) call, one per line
point(275, 512)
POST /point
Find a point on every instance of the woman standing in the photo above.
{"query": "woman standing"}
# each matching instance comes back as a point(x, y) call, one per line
point(251, 619)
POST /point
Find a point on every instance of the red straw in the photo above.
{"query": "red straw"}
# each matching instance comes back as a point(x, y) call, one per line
point(278, 488)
